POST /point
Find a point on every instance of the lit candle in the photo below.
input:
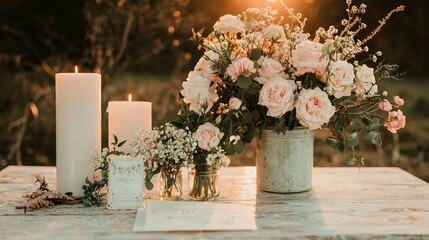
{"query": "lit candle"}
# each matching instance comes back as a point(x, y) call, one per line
point(78, 120)
point(126, 118)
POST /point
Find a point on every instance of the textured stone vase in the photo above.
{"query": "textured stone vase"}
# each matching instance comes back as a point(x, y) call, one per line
point(285, 161)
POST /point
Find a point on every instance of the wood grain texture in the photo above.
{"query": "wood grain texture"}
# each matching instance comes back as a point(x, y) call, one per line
point(344, 203)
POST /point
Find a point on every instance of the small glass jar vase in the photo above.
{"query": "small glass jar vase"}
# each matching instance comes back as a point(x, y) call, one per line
point(171, 184)
point(203, 182)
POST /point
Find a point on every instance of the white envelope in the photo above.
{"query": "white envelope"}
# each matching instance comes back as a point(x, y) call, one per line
point(194, 216)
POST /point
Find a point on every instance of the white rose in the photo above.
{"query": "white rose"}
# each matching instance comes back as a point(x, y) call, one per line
point(274, 32)
point(229, 24)
point(197, 92)
point(340, 79)
point(241, 66)
point(277, 96)
point(313, 108)
point(365, 81)
point(307, 57)
point(208, 136)
point(234, 103)
point(269, 68)
point(204, 66)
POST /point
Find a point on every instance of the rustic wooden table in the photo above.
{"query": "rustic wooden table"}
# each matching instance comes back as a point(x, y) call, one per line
point(378, 203)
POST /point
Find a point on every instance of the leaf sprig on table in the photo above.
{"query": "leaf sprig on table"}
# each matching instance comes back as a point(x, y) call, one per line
point(94, 191)
point(44, 197)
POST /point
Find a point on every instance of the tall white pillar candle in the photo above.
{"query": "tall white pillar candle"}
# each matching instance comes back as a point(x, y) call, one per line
point(78, 120)
point(126, 118)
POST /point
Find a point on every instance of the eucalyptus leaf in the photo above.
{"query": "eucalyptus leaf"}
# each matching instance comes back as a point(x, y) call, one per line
point(351, 160)
point(230, 149)
point(247, 117)
point(255, 115)
point(150, 174)
point(239, 147)
point(244, 82)
point(255, 54)
point(253, 89)
point(249, 134)
point(149, 185)
point(353, 140)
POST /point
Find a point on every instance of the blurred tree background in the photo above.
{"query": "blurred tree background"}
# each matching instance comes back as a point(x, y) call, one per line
point(142, 47)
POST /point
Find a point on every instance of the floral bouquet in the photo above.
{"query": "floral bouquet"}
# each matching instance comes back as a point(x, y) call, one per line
point(165, 150)
point(263, 71)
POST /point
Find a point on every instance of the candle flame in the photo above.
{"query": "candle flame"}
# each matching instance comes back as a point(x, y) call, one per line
point(75, 69)
point(129, 97)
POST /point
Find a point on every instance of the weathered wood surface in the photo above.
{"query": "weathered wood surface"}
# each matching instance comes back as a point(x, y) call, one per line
point(377, 203)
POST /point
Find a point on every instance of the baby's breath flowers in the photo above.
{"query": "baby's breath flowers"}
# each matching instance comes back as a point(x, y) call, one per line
point(167, 148)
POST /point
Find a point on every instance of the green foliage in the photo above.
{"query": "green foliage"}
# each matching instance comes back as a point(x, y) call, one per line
point(93, 195)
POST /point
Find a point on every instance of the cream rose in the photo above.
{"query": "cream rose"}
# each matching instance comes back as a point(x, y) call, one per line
point(234, 103)
point(313, 108)
point(242, 66)
point(274, 32)
point(365, 81)
point(277, 96)
point(208, 136)
point(204, 66)
point(197, 92)
point(307, 57)
point(229, 24)
point(269, 68)
point(340, 79)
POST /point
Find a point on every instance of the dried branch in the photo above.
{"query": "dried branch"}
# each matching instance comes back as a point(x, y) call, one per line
point(124, 40)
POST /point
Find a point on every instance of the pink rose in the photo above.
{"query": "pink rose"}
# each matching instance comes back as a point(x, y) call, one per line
point(313, 108)
point(277, 96)
point(234, 103)
point(385, 105)
point(229, 24)
point(307, 57)
point(269, 68)
point(208, 136)
point(395, 121)
point(399, 101)
point(365, 81)
point(242, 66)
point(340, 79)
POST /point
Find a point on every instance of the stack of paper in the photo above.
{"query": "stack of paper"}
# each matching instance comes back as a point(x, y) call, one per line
point(193, 216)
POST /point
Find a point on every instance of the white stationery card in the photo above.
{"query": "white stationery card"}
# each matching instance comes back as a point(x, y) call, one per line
point(125, 182)
point(194, 216)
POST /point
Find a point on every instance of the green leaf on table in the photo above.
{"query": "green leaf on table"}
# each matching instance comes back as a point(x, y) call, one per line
point(244, 82)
